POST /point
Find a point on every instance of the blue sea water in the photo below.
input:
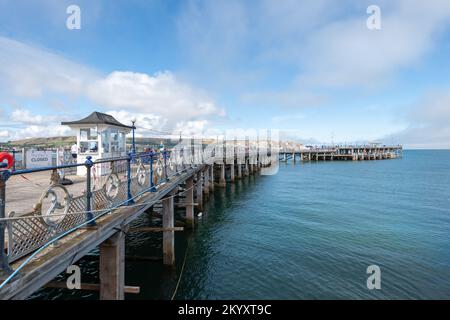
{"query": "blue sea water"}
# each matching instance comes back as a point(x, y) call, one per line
point(310, 232)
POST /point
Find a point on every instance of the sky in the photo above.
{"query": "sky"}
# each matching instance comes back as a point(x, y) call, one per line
point(311, 68)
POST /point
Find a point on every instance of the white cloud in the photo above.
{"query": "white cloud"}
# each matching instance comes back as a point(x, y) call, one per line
point(26, 117)
point(346, 53)
point(4, 133)
point(161, 94)
point(323, 44)
point(161, 101)
point(191, 128)
point(31, 72)
point(429, 123)
point(33, 131)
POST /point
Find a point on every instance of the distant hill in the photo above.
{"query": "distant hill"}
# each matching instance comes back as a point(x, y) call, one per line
point(55, 142)
point(51, 142)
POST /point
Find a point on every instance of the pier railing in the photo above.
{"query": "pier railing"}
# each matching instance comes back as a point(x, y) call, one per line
point(61, 208)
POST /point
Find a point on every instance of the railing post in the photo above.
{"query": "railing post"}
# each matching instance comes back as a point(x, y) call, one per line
point(14, 159)
point(165, 164)
point(4, 176)
point(88, 163)
point(152, 182)
point(130, 200)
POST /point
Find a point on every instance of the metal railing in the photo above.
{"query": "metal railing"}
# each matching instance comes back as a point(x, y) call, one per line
point(58, 211)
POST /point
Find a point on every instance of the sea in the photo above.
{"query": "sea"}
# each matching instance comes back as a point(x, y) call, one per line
point(314, 230)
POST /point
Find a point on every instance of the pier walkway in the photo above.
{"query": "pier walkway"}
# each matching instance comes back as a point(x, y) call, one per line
point(47, 225)
point(354, 153)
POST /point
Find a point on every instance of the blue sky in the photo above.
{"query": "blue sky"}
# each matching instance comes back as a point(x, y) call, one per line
point(311, 68)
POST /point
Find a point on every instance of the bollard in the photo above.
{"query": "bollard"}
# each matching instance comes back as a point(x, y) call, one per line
point(89, 214)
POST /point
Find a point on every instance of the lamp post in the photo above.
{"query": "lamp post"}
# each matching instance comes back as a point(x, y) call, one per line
point(133, 127)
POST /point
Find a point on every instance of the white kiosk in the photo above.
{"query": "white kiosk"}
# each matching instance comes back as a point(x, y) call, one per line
point(100, 136)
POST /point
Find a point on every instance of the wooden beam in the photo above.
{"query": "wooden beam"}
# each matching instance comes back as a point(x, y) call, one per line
point(155, 229)
point(90, 287)
point(185, 204)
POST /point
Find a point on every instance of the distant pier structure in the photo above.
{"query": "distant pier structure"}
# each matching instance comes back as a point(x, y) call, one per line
point(354, 153)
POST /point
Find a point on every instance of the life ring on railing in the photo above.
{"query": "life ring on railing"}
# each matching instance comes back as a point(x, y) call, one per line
point(8, 158)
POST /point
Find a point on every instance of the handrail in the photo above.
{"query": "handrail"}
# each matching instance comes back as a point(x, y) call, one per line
point(89, 201)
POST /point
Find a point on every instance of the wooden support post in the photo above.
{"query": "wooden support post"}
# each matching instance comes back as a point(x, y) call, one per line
point(246, 171)
point(293, 157)
point(199, 191)
point(190, 201)
point(112, 267)
point(239, 171)
point(150, 212)
point(211, 176)
point(222, 181)
point(207, 182)
point(232, 172)
point(168, 236)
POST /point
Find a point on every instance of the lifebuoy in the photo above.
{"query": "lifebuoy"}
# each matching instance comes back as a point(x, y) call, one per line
point(8, 158)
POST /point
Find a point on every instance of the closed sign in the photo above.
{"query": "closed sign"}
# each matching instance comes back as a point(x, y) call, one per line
point(38, 159)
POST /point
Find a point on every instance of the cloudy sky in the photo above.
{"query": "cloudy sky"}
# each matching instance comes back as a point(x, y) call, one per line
point(309, 67)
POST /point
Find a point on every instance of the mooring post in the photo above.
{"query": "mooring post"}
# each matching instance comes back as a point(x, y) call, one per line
point(246, 171)
point(112, 267)
point(190, 203)
point(199, 191)
point(88, 163)
point(239, 170)
point(168, 236)
point(4, 176)
point(130, 200)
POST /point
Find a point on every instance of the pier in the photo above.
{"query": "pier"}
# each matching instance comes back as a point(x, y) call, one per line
point(353, 153)
point(46, 226)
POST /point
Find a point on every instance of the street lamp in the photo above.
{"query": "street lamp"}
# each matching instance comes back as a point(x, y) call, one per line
point(133, 127)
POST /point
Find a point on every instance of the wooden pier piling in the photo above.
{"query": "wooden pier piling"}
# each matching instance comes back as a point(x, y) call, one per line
point(222, 181)
point(190, 203)
point(168, 236)
point(199, 191)
point(112, 267)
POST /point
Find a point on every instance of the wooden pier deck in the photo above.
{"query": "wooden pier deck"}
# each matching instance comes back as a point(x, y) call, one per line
point(36, 250)
point(353, 153)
